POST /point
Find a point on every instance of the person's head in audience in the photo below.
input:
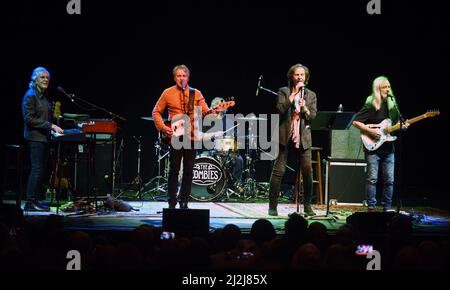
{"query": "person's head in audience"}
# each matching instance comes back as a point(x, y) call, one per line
point(307, 257)
point(262, 231)
point(295, 227)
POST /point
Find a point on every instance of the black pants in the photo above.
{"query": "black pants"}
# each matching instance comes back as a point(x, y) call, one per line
point(188, 156)
point(303, 158)
point(39, 152)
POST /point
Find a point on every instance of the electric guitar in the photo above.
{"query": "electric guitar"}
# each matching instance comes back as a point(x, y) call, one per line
point(178, 127)
point(59, 175)
point(385, 128)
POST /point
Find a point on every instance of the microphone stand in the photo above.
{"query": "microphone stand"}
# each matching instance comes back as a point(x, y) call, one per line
point(73, 97)
point(267, 90)
point(298, 178)
point(399, 171)
point(113, 115)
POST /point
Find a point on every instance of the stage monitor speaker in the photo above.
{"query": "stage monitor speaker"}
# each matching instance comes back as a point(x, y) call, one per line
point(186, 222)
point(373, 222)
point(11, 215)
point(346, 181)
point(346, 144)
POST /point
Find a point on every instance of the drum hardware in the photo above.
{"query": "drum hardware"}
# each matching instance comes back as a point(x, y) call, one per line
point(249, 182)
point(225, 144)
point(251, 118)
point(152, 119)
point(234, 186)
point(159, 184)
point(138, 179)
point(226, 159)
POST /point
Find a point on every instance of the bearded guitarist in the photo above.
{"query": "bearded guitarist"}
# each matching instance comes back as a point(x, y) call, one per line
point(179, 99)
point(379, 106)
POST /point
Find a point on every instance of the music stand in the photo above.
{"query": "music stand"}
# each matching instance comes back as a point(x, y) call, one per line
point(331, 120)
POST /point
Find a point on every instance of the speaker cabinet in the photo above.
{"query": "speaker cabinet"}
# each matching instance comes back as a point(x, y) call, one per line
point(373, 222)
point(346, 144)
point(186, 222)
point(11, 215)
point(346, 181)
point(98, 177)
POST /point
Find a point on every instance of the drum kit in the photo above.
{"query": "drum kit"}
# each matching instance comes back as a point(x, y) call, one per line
point(212, 173)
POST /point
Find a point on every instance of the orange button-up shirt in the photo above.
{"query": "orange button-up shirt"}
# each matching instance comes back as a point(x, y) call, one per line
point(171, 99)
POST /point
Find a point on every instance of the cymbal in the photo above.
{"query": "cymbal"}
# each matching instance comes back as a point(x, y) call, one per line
point(252, 118)
point(151, 119)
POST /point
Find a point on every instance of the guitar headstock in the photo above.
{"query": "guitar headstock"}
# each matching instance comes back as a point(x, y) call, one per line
point(57, 110)
point(432, 113)
point(224, 105)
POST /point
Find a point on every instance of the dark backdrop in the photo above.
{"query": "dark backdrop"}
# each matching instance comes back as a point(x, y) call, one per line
point(119, 55)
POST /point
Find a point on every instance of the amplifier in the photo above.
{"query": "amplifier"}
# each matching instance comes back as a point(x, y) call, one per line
point(345, 181)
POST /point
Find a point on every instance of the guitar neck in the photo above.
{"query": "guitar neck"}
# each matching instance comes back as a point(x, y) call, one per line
point(410, 121)
point(207, 113)
point(210, 111)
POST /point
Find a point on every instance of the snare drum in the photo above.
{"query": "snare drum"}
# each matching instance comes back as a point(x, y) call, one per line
point(209, 180)
point(225, 144)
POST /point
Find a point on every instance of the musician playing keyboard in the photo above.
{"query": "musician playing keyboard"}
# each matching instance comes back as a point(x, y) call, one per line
point(38, 124)
point(379, 107)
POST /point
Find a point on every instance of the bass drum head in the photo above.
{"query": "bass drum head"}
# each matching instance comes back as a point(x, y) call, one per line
point(209, 180)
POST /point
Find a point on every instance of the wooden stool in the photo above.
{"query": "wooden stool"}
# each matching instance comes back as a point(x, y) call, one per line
point(317, 176)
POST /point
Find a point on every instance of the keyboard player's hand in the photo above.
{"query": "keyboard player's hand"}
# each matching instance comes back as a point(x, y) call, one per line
point(57, 129)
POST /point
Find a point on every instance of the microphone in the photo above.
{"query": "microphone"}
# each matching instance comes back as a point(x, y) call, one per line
point(183, 85)
point(66, 94)
point(259, 84)
point(302, 93)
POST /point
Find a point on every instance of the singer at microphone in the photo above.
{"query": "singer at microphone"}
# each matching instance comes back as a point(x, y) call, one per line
point(294, 136)
point(181, 139)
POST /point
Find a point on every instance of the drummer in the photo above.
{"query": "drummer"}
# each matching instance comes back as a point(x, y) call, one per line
point(232, 158)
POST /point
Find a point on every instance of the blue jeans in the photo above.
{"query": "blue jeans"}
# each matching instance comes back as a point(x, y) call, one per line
point(39, 156)
point(374, 161)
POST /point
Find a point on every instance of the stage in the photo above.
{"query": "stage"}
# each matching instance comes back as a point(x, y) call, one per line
point(426, 220)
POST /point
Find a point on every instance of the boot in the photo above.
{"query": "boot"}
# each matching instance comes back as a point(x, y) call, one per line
point(172, 202)
point(273, 212)
point(35, 206)
point(184, 202)
point(309, 210)
point(273, 203)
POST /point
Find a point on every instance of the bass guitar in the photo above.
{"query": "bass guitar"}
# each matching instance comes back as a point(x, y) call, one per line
point(178, 127)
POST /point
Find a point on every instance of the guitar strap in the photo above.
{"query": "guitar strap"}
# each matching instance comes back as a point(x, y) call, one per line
point(191, 100)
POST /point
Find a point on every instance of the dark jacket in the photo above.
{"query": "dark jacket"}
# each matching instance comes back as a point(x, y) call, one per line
point(36, 112)
point(285, 107)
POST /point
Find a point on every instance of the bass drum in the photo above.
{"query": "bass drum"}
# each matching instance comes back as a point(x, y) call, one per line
point(209, 179)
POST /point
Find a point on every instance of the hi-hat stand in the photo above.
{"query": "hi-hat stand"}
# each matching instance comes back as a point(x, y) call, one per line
point(159, 184)
point(250, 181)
